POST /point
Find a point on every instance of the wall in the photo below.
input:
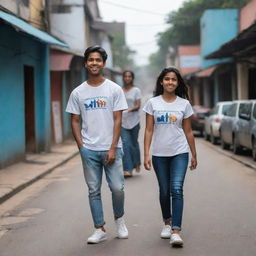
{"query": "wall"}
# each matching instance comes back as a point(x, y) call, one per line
point(217, 28)
point(17, 50)
point(247, 15)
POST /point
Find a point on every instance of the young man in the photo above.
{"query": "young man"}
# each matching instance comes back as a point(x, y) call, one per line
point(98, 103)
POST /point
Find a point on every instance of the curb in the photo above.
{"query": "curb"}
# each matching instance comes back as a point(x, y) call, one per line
point(230, 155)
point(29, 182)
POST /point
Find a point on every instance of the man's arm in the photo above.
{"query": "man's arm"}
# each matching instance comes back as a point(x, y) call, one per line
point(111, 154)
point(76, 129)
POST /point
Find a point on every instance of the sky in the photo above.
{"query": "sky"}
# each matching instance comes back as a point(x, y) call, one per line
point(143, 18)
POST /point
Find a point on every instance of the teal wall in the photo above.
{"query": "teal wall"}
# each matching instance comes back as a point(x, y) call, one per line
point(217, 28)
point(17, 50)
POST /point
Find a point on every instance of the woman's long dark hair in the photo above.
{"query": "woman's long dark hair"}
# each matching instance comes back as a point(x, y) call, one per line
point(181, 90)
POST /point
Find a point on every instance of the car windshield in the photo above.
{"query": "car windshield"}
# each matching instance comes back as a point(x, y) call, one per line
point(225, 108)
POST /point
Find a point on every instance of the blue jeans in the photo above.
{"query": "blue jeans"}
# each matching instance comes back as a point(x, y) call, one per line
point(131, 158)
point(170, 172)
point(93, 165)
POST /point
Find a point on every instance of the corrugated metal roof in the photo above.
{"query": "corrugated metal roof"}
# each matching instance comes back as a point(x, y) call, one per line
point(29, 29)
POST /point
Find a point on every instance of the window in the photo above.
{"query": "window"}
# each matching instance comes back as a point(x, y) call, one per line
point(232, 110)
point(225, 108)
point(60, 8)
point(245, 110)
point(25, 2)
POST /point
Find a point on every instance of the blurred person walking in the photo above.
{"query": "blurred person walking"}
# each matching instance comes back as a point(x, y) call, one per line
point(131, 125)
point(168, 116)
point(96, 113)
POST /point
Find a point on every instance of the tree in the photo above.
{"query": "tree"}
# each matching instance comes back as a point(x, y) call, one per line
point(122, 54)
point(185, 25)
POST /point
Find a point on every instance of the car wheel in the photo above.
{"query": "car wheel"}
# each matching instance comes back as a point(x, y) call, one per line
point(213, 139)
point(254, 149)
point(223, 144)
point(236, 147)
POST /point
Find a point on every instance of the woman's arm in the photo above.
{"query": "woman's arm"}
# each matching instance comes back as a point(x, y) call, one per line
point(136, 106)
point(147, 140)
point(191, 141)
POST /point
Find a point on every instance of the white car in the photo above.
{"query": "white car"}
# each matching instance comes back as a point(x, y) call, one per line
point(213, 119)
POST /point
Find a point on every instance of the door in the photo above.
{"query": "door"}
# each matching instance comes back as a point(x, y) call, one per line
point(29, 109)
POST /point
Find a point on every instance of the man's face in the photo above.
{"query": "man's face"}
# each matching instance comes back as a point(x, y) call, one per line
point(94, 64)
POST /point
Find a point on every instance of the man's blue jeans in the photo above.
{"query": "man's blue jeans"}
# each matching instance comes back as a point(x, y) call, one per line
point(170, 172)
point(93, 165)
point(131, 158)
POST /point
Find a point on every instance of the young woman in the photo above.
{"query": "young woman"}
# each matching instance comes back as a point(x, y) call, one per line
point(131, 125)
point(168, 117)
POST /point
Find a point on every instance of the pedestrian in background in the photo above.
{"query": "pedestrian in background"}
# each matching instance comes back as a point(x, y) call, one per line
point(98, 103)
point(131, 125)
point(168, 118)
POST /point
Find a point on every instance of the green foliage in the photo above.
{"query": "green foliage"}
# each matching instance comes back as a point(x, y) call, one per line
point(185, 25)
point(122, 54)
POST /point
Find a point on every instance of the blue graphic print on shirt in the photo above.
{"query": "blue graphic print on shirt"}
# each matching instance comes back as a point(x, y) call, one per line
point(95, 103)
point(165, 117)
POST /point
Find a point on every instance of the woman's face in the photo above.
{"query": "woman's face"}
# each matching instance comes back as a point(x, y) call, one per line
point(128, 78)
point(170, 82)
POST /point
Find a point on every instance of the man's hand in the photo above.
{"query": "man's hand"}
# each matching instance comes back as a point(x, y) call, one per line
point(147, 163)
point(110, 156)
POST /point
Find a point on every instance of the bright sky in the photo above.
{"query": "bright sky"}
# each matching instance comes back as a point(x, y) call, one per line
point(143, 18)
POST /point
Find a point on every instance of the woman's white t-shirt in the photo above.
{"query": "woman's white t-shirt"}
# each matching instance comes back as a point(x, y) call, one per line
point(96, 106)
point(131, 119)
point(169, 138)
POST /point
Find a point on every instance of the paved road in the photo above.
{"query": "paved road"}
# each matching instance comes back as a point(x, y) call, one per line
point(52, 218)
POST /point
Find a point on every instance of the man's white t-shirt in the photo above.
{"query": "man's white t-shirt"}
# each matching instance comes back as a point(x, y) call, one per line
point(96, 106)
point(131, 119)
point(169, 138)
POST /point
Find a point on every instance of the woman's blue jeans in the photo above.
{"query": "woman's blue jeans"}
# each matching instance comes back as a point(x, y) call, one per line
point(93, 165)
point(170, 172)
point(131, 148)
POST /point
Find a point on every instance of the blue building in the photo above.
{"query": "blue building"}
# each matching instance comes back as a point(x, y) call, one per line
point(24, 89)
point(217, 28)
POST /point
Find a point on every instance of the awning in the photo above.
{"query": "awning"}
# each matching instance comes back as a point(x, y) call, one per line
point(60, 61)
point(206, 72)
point(29, 29)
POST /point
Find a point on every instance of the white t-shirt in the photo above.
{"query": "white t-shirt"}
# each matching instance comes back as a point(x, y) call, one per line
point(169, 138)
point(131, 119)
point(96, 106)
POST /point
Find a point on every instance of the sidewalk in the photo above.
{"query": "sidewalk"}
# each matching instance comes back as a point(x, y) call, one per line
point(16, 177)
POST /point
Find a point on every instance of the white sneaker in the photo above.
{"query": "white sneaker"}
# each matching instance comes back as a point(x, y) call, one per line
point(97, 237)
point(122, 231)
point(166, 231)
point(176, 240)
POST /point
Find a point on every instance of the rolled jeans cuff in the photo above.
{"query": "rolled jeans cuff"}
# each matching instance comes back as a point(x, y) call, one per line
point(168, 219)
point(99, 226)
point(176, 228)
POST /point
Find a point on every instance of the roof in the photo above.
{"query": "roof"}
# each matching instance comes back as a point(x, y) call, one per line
point(244, 43)
point(25, 27)
point(206, 72)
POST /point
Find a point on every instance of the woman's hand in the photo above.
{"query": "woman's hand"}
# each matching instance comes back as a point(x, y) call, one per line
point(193, 164)
point(147, 163)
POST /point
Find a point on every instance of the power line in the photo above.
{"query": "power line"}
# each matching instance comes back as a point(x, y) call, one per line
point(132, 9)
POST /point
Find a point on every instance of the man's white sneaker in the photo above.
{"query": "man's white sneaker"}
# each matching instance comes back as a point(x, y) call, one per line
point(97, 237)
point(122, 231)
point(166, 232)
point(176, 240)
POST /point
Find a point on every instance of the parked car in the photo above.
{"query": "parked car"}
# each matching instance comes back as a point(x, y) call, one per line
point(245, 134)
point(229, 126)
point(197, 120)
point(213, 119)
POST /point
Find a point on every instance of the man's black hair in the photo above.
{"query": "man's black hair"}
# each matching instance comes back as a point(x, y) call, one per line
point(95, 48)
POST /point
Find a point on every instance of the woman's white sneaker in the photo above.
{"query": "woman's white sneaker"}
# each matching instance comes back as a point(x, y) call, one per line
point(97, 237)
point(176, 240)
point(166, 232)
point(122, 231)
